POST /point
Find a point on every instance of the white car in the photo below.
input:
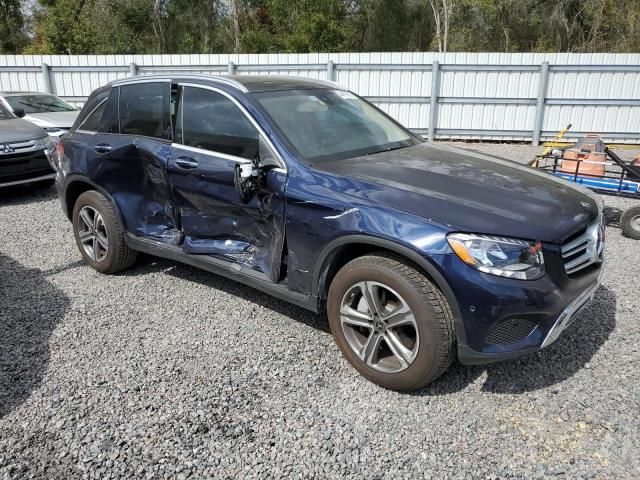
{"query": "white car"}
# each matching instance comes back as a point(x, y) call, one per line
point(51, 113)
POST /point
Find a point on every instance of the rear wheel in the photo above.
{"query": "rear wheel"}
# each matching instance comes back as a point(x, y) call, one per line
point(390, 322)
point(630, 221)
point(100, 235)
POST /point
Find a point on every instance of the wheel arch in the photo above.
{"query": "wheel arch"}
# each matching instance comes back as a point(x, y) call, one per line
point(342, 250)
point(75, 186)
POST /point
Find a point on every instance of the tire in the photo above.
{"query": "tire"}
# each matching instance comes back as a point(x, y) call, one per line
point(397, 286)
point(630, 221)
point(112, 256)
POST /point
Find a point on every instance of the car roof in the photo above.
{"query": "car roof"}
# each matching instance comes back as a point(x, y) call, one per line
point(244, 83)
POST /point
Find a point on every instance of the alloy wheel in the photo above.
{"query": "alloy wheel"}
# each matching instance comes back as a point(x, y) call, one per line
point(379, 326)
point(93, 234)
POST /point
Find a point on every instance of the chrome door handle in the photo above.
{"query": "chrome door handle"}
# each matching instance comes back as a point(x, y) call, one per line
point(186, 163)
point(102, 148)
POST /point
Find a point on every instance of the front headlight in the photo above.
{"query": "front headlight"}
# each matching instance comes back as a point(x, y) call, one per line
point(506, 257)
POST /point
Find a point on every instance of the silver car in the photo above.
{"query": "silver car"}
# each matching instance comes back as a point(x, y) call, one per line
point(51, 113)
point(25, 152)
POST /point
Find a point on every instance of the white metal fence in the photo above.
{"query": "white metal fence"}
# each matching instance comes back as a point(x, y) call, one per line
point(490, 96)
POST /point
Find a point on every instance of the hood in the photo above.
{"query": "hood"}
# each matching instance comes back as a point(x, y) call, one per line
point(18, 130)
point(53, 119)
point(468, 191)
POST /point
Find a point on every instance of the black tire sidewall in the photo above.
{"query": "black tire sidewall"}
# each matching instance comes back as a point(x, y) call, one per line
point(626, 221)
point(425, 364)
point(98, 202)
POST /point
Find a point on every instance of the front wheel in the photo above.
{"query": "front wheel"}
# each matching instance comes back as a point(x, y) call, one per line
point(630, 221)
point(390, 322)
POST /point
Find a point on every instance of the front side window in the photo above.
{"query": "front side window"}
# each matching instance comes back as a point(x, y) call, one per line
point(39, 103)
point(211, 121)
point(332, 124)
point(4, 113)
point(144, 109)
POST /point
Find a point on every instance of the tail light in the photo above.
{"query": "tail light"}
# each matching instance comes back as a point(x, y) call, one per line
point(60, 152)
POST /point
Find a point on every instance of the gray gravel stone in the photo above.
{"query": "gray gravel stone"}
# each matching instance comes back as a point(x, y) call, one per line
point(166, 371)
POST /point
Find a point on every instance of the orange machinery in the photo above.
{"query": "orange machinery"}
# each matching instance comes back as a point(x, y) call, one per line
point(588, 157)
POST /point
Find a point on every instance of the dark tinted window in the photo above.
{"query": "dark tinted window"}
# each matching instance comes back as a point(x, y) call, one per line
point(211, 121)
point(92, 122)
point(4, 113)
point(144, 110)
point(109, 121)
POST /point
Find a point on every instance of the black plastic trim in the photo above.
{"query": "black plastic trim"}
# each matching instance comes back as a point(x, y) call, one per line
point(467, 356)
point(226, 269)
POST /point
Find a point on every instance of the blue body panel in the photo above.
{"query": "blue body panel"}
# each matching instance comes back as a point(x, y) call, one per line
point(405, 201)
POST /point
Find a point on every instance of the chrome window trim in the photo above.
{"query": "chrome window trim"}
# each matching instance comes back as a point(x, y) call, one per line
point(79, 129)
point(257, 126)
point(151, 78)
point(204, 151)
point(130, 81)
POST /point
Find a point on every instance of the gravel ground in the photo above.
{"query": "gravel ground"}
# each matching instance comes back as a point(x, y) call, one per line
point(166, 371)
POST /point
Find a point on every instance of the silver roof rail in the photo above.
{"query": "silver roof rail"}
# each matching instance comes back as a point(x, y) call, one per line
point(164, 78)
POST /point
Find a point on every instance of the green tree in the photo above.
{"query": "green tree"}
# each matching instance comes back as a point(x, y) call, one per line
point(12, 37)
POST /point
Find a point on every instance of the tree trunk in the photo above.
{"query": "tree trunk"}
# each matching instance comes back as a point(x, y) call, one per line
point(438, 22)
point(158, 27)
point(236, 25)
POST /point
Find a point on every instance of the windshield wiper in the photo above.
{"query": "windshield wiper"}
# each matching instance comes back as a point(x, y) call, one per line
point(388, 149)
point(40, 106)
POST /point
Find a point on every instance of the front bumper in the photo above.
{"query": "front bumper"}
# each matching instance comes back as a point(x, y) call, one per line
point(25, 166)
point(569, 314)
point(469, 356)
point(498, 318)
point(40, 178)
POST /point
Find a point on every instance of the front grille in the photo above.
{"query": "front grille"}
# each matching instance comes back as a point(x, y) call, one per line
point(17, 147)
point(511, 330)
point(584, 249)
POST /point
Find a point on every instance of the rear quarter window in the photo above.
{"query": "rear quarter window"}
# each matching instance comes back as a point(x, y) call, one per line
point(92, 122)
point(92, 102)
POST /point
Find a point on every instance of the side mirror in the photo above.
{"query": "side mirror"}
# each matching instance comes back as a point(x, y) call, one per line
point(19, 112)
point(246, 177)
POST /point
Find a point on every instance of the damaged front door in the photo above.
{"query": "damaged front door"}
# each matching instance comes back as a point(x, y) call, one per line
point(213, 135)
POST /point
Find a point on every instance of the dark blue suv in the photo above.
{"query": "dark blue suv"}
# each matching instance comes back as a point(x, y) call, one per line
point(418, 253)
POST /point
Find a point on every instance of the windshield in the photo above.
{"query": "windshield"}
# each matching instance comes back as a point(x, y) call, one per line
point(39, 103)
point(4, 113)
point(332, 124)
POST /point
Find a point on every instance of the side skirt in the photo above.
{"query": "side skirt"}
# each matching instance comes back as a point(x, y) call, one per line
point(233, 271)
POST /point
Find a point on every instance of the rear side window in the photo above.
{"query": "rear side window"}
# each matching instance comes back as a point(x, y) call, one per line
point(211, 121)
point(144, 110)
